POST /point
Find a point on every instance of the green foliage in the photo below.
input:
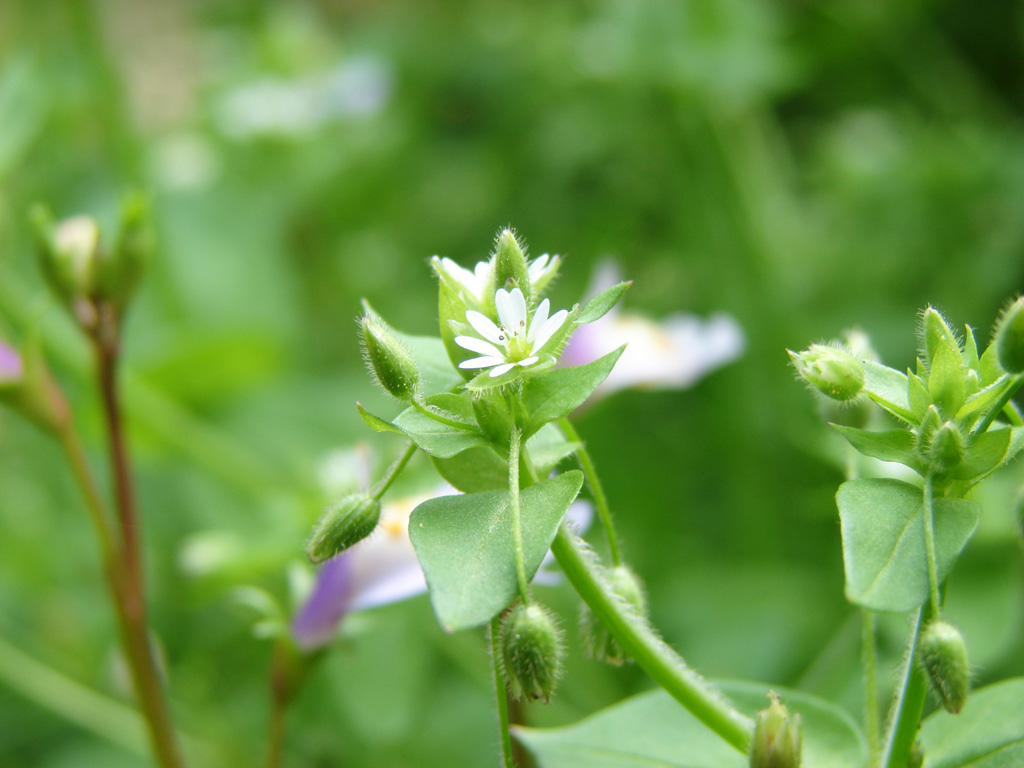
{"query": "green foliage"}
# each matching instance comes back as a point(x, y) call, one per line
point(651, 730)
point(601, 304)
point(988, 732)
point(883, 541)
point(465, 546)
point(548, 398)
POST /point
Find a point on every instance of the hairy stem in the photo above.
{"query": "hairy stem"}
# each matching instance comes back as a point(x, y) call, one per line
point(382, 485)
point(426, 410)
point(907, 706)
point(600, 500)
point(500, 696)
point(653, 655)
point(929, 547)
point(514, 446)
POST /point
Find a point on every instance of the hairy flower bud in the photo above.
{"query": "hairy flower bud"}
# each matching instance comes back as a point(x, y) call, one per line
point(532, 651)
point(934, 333)
point(511, 270)
point(944, 657)
point(343, 524)
point(1009, 338)
point(777, 737)
point(946, 448)
point(599, 643)
point(831, 370)
point(389, 360)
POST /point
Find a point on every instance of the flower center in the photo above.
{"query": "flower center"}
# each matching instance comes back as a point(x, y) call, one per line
point(516, 345)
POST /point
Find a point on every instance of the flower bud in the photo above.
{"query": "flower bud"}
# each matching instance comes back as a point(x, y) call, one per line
point(935, 332)
point(1009, 338)
point(389, 360)
point(122, 268)
point(511, 270)
point(27, 387)
point(944, 657)
point(69, 254)
point(598, 641)
point(343, 524)
point(532, 651)
point(777, 737)
point(831, 370)
point(946, 448)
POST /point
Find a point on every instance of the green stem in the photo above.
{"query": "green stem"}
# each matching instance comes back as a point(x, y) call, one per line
point(999, 406)
point(869, 662)
point(75, 454)
point(515, 443)
point(382, 485)
point(500, 696)
point(600, 500)
point(653, 655)
point(929, 547)
point(907, 707)
point(426, 411)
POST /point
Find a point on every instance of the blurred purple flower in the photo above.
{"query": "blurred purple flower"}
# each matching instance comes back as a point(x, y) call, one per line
point(11, 366)
point(380, 570)
point(671, 354)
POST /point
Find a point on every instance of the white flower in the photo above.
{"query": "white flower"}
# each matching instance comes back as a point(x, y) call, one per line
point(513, 342)
point(473, 284)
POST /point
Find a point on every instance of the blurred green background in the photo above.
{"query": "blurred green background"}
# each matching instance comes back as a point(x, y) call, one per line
point(804, 166)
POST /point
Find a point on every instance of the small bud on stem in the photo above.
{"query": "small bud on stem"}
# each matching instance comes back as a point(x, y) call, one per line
point(944, 657)
point(389, 360)
point(343, 524)
point(777, 737)
point(831, 370)
point(1009, 338)
point(532, 651)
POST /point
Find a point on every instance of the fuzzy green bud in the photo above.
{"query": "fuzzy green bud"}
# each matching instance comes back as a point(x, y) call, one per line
point(343, 524)
point(831, 370)
point(778, 739)
point(944, 657)
point(531, 651)
point(1009, 338)
point(598, 641)
point(511, 270)
point(935, 332)
point(946, 447)
point(69, 253)
point(391, 363)
point(121, 270)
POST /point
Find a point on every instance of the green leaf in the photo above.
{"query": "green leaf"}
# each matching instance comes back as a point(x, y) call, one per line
point(602, 303)
point(984, 454)
point(376, 423)
point(439, 375)
point(888, 388)
point(474, 470)
point(892, 445)
point(651, 730)
point(558, 393)
point(883, 541)
point(982, 400)
point(464, 544)
point(548, 447)
point(436, 438)
point(917, 395)
point(988, 732)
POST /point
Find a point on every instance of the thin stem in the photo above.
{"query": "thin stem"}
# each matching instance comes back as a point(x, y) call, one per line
point(996, 409)
point(382, 485)
point(869, 662)
point(427, 411)
point(129, 590)
point(515, 441)
point(603, 510)
point(929, 547)
point(500, 696)
point(75, 454)
point(653, 655)
point(286, 676)
point(907, 706)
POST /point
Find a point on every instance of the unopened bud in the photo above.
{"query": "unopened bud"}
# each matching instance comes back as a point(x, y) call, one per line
point(946, 449)
point(389, 360)
point(777, 737)
point(599, 642)
point(935, 332)
point(1009, 338)
point(511, 270)
point(531, 651)
point(944, 657)
point(122, 268)
point(343, 524)
point(69, 254)
point(831, 370)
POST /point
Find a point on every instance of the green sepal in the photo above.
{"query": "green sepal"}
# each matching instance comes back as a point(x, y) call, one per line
point(601, 304)
point(484, 381)
point(452, 310)
point(888, 388)
point(548, 398)
point(989, 367)
point(492, 414)
point(978, 404)
point(970, 352)
point(510, 269)
point(936, 335)
point(465, 546)
point(918, 395)
point(946, 380)
point(882, 527)
point(892, 445)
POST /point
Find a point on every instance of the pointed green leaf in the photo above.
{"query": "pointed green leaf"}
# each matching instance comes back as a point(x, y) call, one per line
point(985, 453)
point(561, 391)
point(917, 395)
point(883, 541)
point(988, 732)
point(602, 303)
point(376, 423)
point(474, 470)
point(989, 365)
point(888, 388)
point(464, 544)
point(651, 730)
point(892, 445)
point(970, 349)
point(983, 400)
point(548, 447)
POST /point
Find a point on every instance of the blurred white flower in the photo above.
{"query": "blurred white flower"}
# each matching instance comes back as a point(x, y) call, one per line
point(669, 354)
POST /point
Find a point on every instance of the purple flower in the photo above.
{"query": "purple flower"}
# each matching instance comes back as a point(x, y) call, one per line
point(11, 366)
point(671, 354)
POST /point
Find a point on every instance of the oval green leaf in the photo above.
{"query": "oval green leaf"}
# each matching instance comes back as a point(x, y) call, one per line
point(988, 732)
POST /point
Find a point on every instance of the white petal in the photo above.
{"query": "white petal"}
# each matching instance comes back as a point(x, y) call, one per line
point(482, 271)
point(553, 324)
point(537, 266)
point(511, 309)
point(473, 344)
point(464, 276)
point(484, 326)
point(481, 362)
point(528, 361)
point(539, 318)
point(504, 368)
